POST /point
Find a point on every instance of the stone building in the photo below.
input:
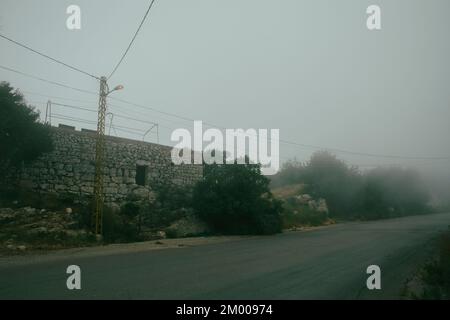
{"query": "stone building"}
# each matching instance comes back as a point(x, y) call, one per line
point(130, 166)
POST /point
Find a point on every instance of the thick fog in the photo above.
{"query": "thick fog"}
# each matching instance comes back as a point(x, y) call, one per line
point(309, 68)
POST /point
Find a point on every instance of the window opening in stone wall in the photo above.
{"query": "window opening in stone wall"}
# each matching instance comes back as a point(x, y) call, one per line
point(141, 175)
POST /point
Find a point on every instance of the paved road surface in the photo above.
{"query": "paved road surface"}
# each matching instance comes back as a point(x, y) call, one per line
point(328, 263)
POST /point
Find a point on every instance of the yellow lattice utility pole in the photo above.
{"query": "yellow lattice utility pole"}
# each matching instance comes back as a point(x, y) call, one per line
point(100, 154)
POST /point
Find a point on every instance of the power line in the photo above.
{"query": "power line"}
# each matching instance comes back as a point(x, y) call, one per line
point(122, 114)
point(90, 92)
point(140, 131)
point(94, 123)
point(73, 107)
point(116, 107)
point(48, 81)
point(95, 111)
point(114, 115)
point(48, 57)
point(154, 109)
point(292, 143)
point(134, 119)
point(132, 40)
point(112, 98)
point(129, 130)
point(64, 117)
point(55, 97)
point(148, 122)
point(373, 155)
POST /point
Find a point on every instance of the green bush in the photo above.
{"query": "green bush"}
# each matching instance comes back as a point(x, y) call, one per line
point(136, 219)
point(235, 199)
point(173, 197)
point(112, 226)
point(118, 227)
point(172, 203)
point(302, 216)
point(435, 275)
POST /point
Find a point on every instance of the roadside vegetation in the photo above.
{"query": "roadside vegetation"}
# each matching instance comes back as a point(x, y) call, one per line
point(432, 280)
point(236, 199)
point(230, 199)
point(351, 194)
point(300, 209)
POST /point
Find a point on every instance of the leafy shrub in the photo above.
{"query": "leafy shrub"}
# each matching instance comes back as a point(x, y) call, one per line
point(112, 226)
point(171, 233)
point(173, 197)
point(172, 203)
point(302, 216)
point(118, 226)
point(435, 275)
point(189, 226)
point(235, 199)
point(118, 223)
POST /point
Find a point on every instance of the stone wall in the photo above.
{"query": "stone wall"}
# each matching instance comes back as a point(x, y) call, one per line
point(70, 167)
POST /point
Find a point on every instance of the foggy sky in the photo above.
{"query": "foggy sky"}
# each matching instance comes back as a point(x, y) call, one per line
point(309, 68)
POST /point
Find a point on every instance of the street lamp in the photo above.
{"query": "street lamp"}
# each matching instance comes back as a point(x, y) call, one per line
point(116, 88)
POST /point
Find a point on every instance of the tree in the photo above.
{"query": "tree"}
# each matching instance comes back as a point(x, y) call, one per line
point(330, 178)
point(394, 191)
point(292, 172)
point(235, 199)
point(22, 137)
point(377, 193)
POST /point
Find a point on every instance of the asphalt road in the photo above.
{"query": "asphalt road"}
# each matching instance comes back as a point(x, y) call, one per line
point(327, 263)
